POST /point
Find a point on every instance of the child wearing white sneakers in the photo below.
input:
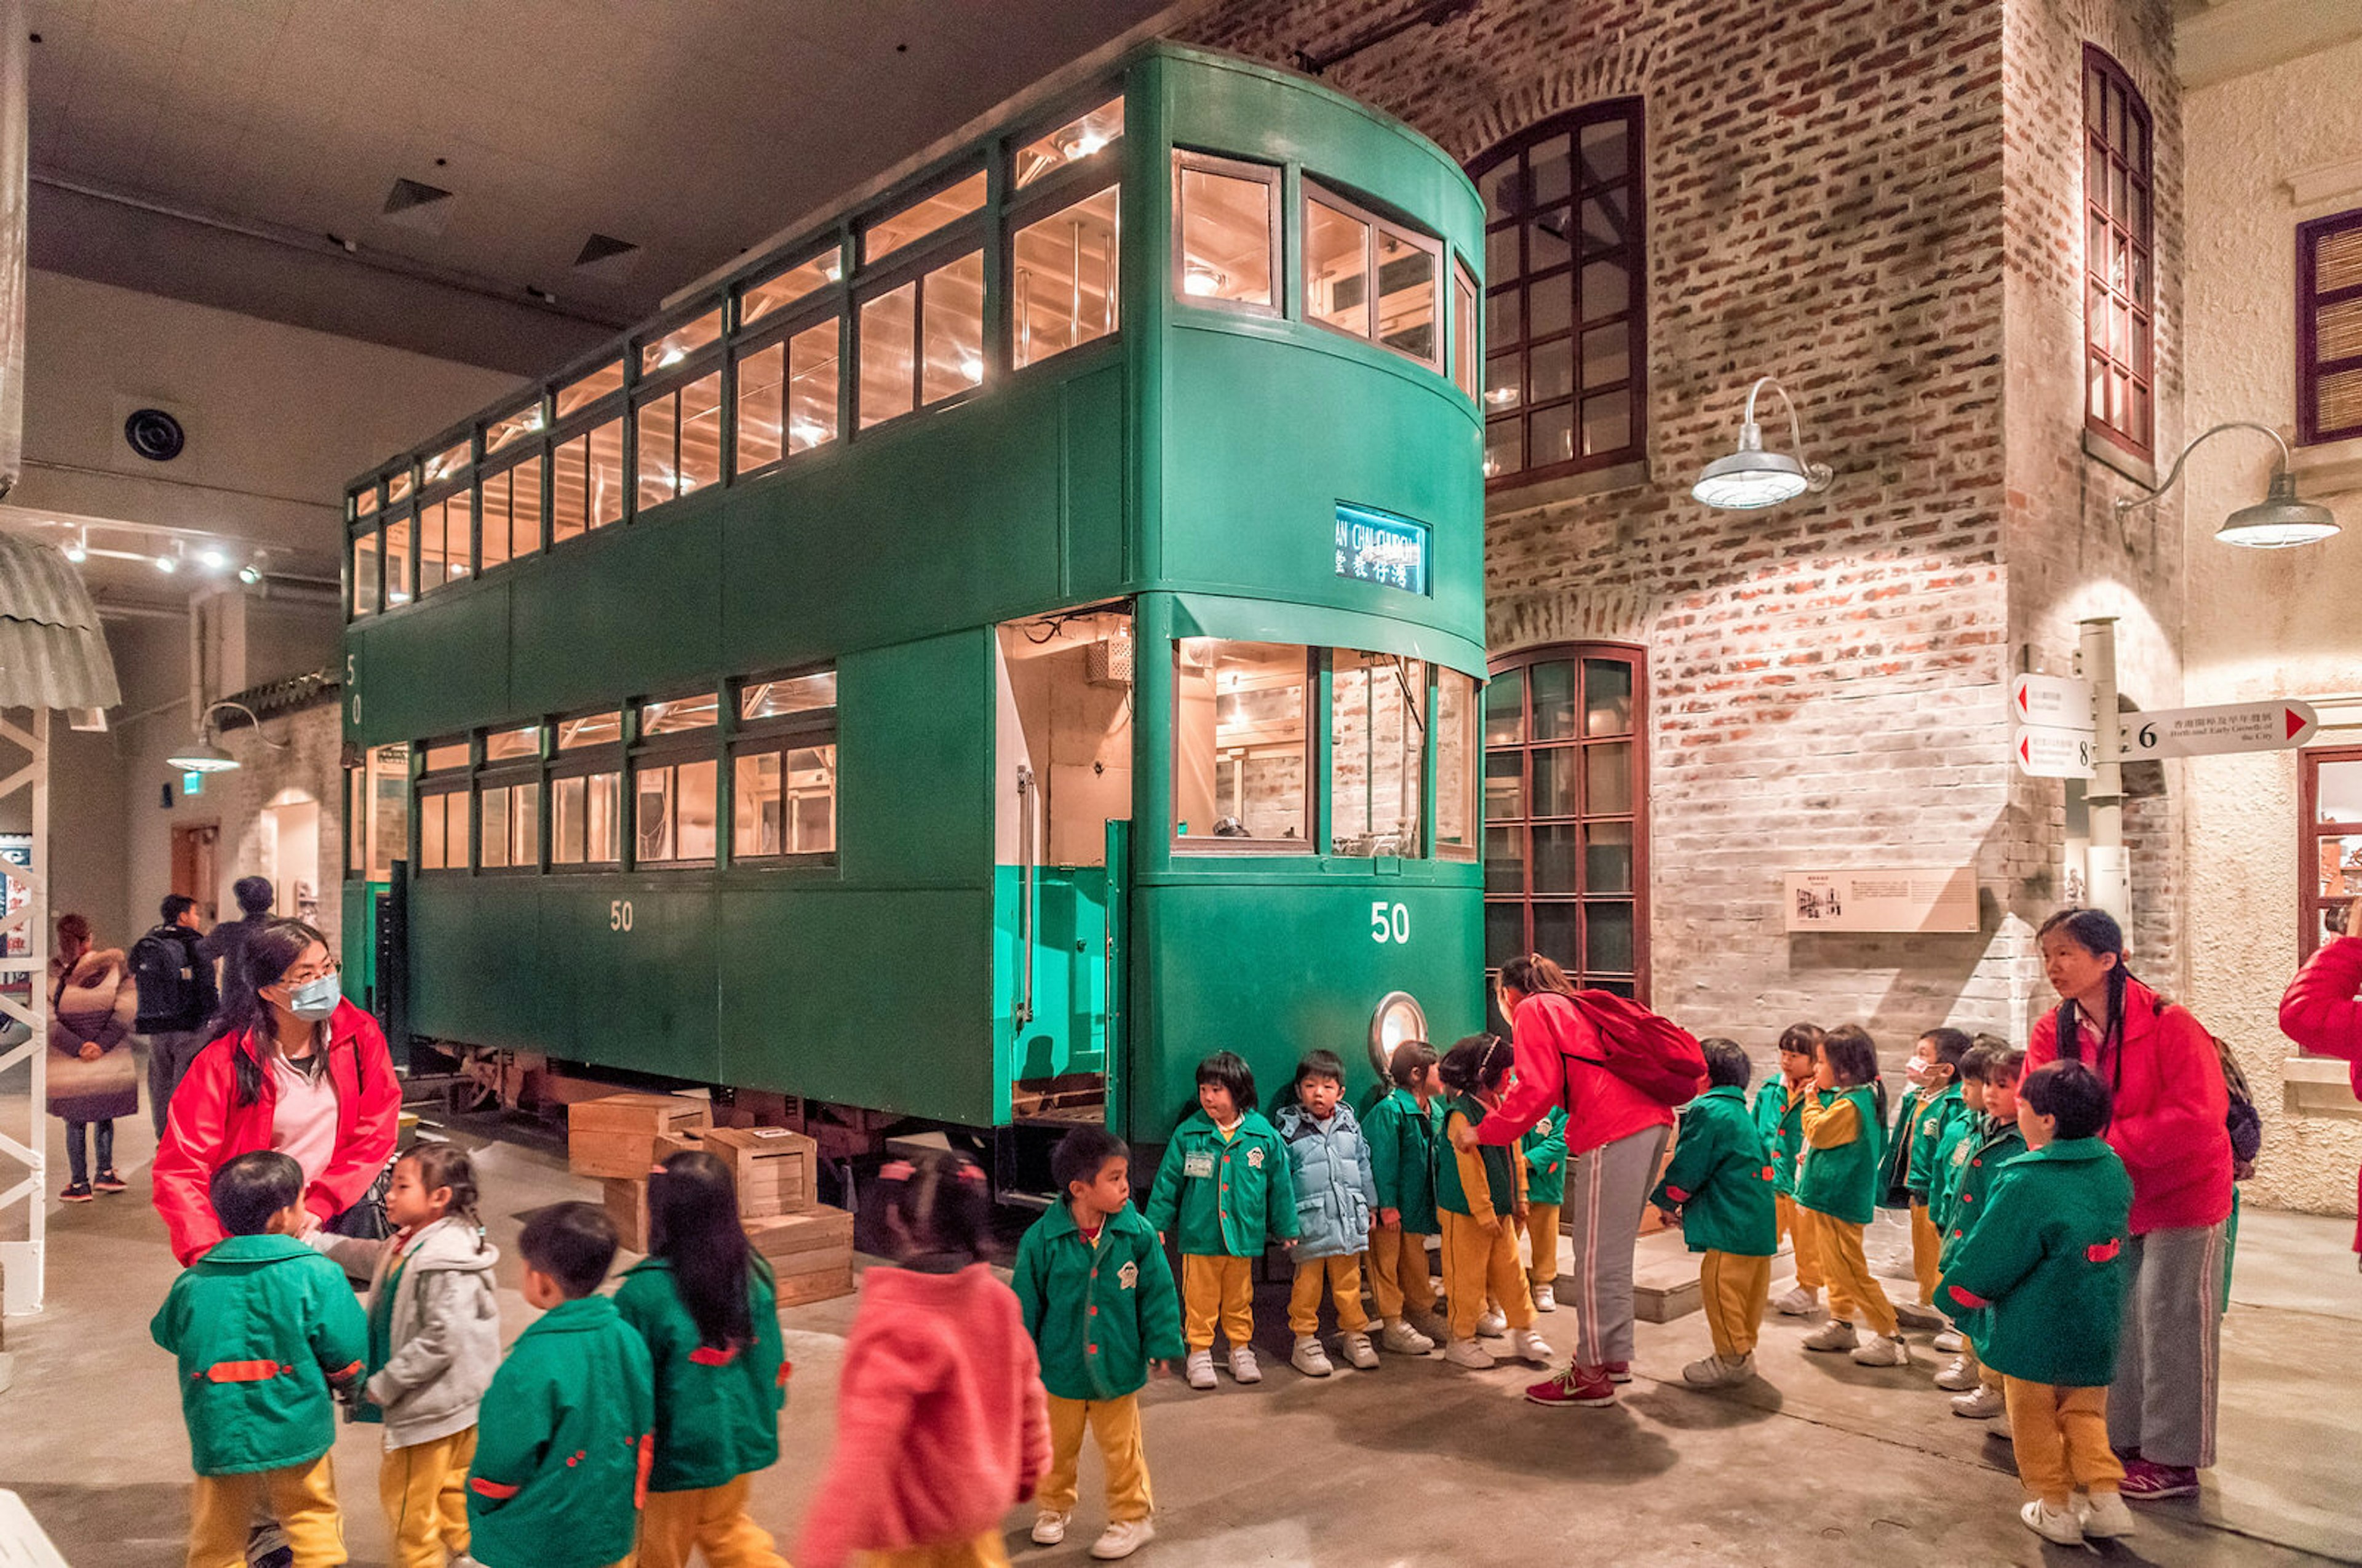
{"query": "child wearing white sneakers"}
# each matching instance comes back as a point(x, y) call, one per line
point(1478, 1195)
point(1335, 1197)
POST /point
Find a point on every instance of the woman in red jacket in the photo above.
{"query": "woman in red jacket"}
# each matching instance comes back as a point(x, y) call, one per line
point(2322, 1010)
point(299, 1069)
point(2171, 1105)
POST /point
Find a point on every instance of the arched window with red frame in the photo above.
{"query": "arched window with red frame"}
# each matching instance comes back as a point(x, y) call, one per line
point(2119, 296)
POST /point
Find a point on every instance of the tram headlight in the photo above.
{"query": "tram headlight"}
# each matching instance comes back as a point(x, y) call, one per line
point(1398, 1018)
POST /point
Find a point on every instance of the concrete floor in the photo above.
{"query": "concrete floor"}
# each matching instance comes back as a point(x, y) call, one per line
point(1823, 1463)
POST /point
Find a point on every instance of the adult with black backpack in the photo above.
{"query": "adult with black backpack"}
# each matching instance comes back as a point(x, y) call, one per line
point(177, 999)
point(1620, 1070)
point(2170, 1127)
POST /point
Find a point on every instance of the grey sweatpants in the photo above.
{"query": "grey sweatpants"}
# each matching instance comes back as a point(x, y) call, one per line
point(2169, 1360)
point(1607, 1195)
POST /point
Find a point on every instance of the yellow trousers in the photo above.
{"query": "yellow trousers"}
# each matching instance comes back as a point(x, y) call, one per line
point(1854, 1295)
point(1733, 1290)
point(2061, 1438)
point(425, 1490)
point(986, 1551)
point(1541, 1238)
point(1398, 1275)
point(711, 1519)
point(302, 1497)
point(1342, 1275)
point(1927, 1248)
point(1215, 1288)
point(1116, 1424)
point(1808, 1267)
point(1478, 1263)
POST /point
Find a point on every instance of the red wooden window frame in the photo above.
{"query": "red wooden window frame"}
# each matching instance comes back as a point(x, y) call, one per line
point(1515, 208)
point(1583, 900)
point(2120, 278)
point(2311, 902)
point(2342, 298)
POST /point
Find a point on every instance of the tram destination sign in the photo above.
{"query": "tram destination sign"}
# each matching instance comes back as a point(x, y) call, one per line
point(1377, 546)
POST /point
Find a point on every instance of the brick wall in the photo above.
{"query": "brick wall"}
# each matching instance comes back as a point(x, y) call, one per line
point(1830, 200)
point(310, 767)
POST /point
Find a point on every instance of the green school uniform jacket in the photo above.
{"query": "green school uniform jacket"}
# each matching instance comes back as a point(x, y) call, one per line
point(2047, 1259)
point(563, 1443)
point(717, 1409)
point(1780, 1119)
point(1955, 1145)
point(1227, 1199)
point(1933, 1119)
point(1098, 1315)
point(1894, 1158)
point(1500, 1177)
point(1990, 1146)
point(1721, 1178)
point(1843, 1182)
point(1402, 1156)
point(1545, 1151)
point(261, 1324)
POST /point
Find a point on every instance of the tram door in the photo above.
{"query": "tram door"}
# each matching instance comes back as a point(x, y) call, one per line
point(1064, 766)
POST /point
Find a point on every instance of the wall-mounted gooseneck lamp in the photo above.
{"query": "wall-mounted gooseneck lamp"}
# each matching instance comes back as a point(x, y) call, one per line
point(205, 755)
point(2274, 522)
point(1751, 477)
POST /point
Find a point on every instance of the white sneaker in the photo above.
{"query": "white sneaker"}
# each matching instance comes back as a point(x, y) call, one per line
point(1960, 1377)
point(1999, 1427)
point(1358, 1352)
point(1308, 1358)
point(1981, 1404)
point(1950, 1341)
point(1836, 1334)
point(1468, 1354)
point(1714, 1372)
point(1527, 1346)
point(1242, 1365)
point(1801, 1302)
point(1545, 1299)
point(1049, 1528)
point(1492, 1324)
point(2052, 1524)
point(1400, 1337)
point(1883, 1350)
point(2106, 1516)
point(1918, 1315)
point(1122, 1538)
point(1199, 1369)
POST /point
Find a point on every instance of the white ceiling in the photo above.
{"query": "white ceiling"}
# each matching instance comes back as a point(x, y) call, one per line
point(692, 128)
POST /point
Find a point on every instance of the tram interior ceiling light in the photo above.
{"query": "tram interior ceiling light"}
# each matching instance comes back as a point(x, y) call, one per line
point(2278, 522)
point(1751, 478)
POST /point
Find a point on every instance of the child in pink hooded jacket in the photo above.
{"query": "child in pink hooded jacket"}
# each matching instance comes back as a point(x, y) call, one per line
point(941, 1424)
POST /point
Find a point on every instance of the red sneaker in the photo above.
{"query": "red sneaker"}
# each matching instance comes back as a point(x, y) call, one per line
point(1577, 1386)
point(1620, 1371)
point(2146, 1482)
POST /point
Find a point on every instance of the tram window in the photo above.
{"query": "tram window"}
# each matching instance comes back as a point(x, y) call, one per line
point(446, 540)
point(443, 464)
point(512, 513)
point(501, 434)
point(1078, 139)
point(377, 808)
point(397, 489)
point(585, 817)
point(670, 349)
point(1465, 346)
point(439, 756)
point(1456, 750)
point(1064, 278)
point(951, 328)
point(443, 830)
point(511, 745)
point(509, 826)
point(586, 481)
point(1408, 270)
point(781, 290)
point(812, 363)
point(675, 803)
point(1224, 231)
point(922, 218)
point(679, 714)
point(787, 397)
point(761, 416)
point(361, 502)
point(782, 696)
point(582, 392)
point(1377, 746)
point(783, 801)
point(680, 441)
point(1336, 268)
point(887, 352)
point(589, 730)
point(397, 562)
point(1242, 747)
point(367, 584)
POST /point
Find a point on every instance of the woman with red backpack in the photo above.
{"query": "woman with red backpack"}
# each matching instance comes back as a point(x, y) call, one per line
point(1616, 1137)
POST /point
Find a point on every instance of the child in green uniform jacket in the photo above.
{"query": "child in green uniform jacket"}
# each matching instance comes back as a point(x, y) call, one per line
point(1836, 1193)
point(1098, 1301)
point(567, 1430)
point(1401, 1127)
point(708, 1312)
point(262, 1325)
point(1927, 1112)
point(1227, 1185)
point(1991, 1142)
point(1544, 1148)
point(2045, 1261)
point(1479, 1193)
point(1721, 1185)
point(1780, 1117)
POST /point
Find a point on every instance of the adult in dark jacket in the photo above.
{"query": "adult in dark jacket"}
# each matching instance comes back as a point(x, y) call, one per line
point(2323, 1009)
point(175, 1037)
point(94, 1077)
point(225, 946)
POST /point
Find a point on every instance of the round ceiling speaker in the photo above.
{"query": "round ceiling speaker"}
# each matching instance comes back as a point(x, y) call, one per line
point(155, 434)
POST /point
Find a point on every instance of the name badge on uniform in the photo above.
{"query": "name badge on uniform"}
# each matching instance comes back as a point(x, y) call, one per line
point(1198, 1165)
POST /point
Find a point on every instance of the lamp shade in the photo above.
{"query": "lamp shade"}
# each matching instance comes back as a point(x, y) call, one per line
point(201, 755)
point(2278, 522)
point(1750, 480)
point(53, 650)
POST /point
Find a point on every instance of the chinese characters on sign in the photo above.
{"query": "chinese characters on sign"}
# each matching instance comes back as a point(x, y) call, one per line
point(1900, 898)
point(1373, 547)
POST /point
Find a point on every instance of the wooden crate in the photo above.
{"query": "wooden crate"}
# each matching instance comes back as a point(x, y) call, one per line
point(627, 1196)
point(810, 1254)
point(797, 1290)
point(776, 1169)
point(617, 1134)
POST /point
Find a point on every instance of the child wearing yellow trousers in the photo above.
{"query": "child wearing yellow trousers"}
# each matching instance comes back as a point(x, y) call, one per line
point(1401, 1126)
point(1992, 1143)
point(2044, 1266)
point(1836, 1191)
point(1927, 1113)
point(1544, 1149)
point(1780, 1117)
point(1719, 1187)
point(1478, 1196)
point(1336, 1200)
point(262, 1325)
point(1225, 1184)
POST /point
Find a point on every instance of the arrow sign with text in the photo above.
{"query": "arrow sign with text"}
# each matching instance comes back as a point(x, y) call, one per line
point(2206, 732)
point(2043, 752)
point(2052, 702)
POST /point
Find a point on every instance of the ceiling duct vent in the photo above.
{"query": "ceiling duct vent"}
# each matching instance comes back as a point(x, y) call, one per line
point(414, 203)
point(607, 258)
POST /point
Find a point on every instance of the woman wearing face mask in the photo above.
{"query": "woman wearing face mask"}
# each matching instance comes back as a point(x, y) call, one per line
point(297, 1069)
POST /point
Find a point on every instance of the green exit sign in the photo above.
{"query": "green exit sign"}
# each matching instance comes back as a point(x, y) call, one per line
point(192, 784)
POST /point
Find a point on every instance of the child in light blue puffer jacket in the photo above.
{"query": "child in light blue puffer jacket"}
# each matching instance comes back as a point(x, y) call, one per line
point(1336, 1198)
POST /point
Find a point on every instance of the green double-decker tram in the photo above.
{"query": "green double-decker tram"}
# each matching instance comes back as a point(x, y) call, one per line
point(1019, 638)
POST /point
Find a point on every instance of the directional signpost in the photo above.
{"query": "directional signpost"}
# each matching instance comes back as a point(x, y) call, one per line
point(2051, 730)
point(2207, 732)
